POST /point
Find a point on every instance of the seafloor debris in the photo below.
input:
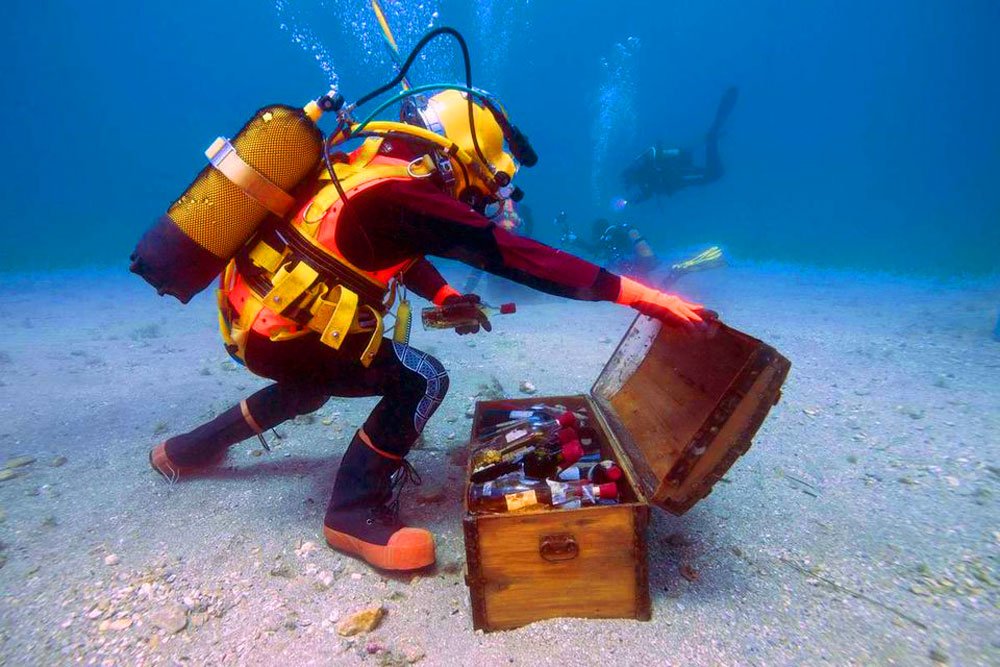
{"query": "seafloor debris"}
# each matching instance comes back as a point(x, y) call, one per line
point(19, 462)
point(527, 387)
point(365, 620)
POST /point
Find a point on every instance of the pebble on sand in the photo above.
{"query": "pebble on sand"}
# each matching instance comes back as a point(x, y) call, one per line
point(324, 580)
point(118, 624)
point(527, 387)
point(111, 559)
point(363, 621)
point(58, 461)
point(171, 618)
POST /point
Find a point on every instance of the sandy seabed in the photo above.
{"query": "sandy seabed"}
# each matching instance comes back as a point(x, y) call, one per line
point(861, 528)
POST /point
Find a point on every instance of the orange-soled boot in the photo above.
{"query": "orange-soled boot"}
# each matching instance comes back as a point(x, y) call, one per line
point(206, 446)
point(363, 516)
point(162, 464)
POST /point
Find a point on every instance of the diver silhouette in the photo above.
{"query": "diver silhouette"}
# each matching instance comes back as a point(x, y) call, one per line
point(663, 171)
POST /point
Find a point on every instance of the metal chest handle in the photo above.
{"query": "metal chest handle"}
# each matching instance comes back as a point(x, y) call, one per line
point(559, 547)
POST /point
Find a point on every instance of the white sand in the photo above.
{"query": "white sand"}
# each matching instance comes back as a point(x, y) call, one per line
point(876, 472)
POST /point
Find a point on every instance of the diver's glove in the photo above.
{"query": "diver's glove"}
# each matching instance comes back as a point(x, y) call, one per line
point(668, 308)
point(467, 306)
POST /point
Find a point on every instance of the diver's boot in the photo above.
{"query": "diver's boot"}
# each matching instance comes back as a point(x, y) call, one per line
point(363, 516)
point(205, 446)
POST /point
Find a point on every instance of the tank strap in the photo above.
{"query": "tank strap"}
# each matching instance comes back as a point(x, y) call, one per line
point(224, 157)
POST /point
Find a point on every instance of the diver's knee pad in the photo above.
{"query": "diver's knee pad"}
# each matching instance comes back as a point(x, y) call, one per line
point(434, 375)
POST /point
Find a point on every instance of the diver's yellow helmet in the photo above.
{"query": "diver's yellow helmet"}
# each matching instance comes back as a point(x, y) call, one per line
point(447, 113)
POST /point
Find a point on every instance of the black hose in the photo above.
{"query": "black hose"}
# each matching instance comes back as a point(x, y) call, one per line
point(405, 68)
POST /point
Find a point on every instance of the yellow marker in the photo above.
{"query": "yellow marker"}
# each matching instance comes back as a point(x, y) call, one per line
point(404, 318)
point(389, 39)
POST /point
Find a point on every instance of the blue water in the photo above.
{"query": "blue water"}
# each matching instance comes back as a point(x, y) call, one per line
point(865, 134)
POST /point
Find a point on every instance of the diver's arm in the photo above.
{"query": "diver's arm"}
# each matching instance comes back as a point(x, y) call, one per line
point(439, 225)
point(431, 222)
point(425, 280)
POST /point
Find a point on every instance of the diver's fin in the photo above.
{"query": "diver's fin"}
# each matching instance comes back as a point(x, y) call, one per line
point(709, 259)
point(726, 105)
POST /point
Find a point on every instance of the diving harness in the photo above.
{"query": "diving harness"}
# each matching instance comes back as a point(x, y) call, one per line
point(281, 280)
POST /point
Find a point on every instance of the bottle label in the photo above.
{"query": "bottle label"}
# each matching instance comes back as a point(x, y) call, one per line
point(516, 434)
point(487, 488)
point(590, 493)
point(558, 491)
point(516, 501)
point(522, 414)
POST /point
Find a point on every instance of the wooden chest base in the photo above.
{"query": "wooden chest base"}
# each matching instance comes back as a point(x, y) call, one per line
point(589, 562)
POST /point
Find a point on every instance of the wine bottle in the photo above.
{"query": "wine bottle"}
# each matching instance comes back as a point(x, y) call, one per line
point(598, 472)
point(501, 446)
point(530, 494)
point(461, 314)
point(545, 463)
point(498, 418)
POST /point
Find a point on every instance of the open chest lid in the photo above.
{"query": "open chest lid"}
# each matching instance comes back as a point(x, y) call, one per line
point(683, 408)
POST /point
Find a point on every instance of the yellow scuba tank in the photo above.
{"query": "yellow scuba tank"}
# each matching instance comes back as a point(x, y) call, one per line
point(248, 178)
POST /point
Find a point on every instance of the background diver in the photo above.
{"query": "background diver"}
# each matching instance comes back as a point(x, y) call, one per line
point(622, 248)
point(660, 170)
point(301, 303)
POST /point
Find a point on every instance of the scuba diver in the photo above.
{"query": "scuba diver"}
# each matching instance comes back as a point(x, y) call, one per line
point(617, 246)
point(622, 248)
point(302, 299)
point(663, 171)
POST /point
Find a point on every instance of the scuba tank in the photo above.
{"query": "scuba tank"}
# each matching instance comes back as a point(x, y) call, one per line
point(247, 180)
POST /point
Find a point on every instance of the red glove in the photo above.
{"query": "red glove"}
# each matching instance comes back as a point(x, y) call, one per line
point(667, 308)
point(467, 306)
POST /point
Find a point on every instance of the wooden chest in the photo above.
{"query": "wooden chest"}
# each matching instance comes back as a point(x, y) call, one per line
point(674, 412)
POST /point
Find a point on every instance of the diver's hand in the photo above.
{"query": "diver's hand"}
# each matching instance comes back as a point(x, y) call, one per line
point(466, 306)
point(668, 308)
point(671, 309)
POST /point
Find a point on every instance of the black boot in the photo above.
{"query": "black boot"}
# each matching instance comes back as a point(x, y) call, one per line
point(363, 516)
point(206, 445)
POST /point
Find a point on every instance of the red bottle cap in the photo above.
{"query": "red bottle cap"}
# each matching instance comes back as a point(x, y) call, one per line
point(614, 473)
point(566, 435)
point(508, 308)
point(567, 419)
point(609, 490)
point(572, 452)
